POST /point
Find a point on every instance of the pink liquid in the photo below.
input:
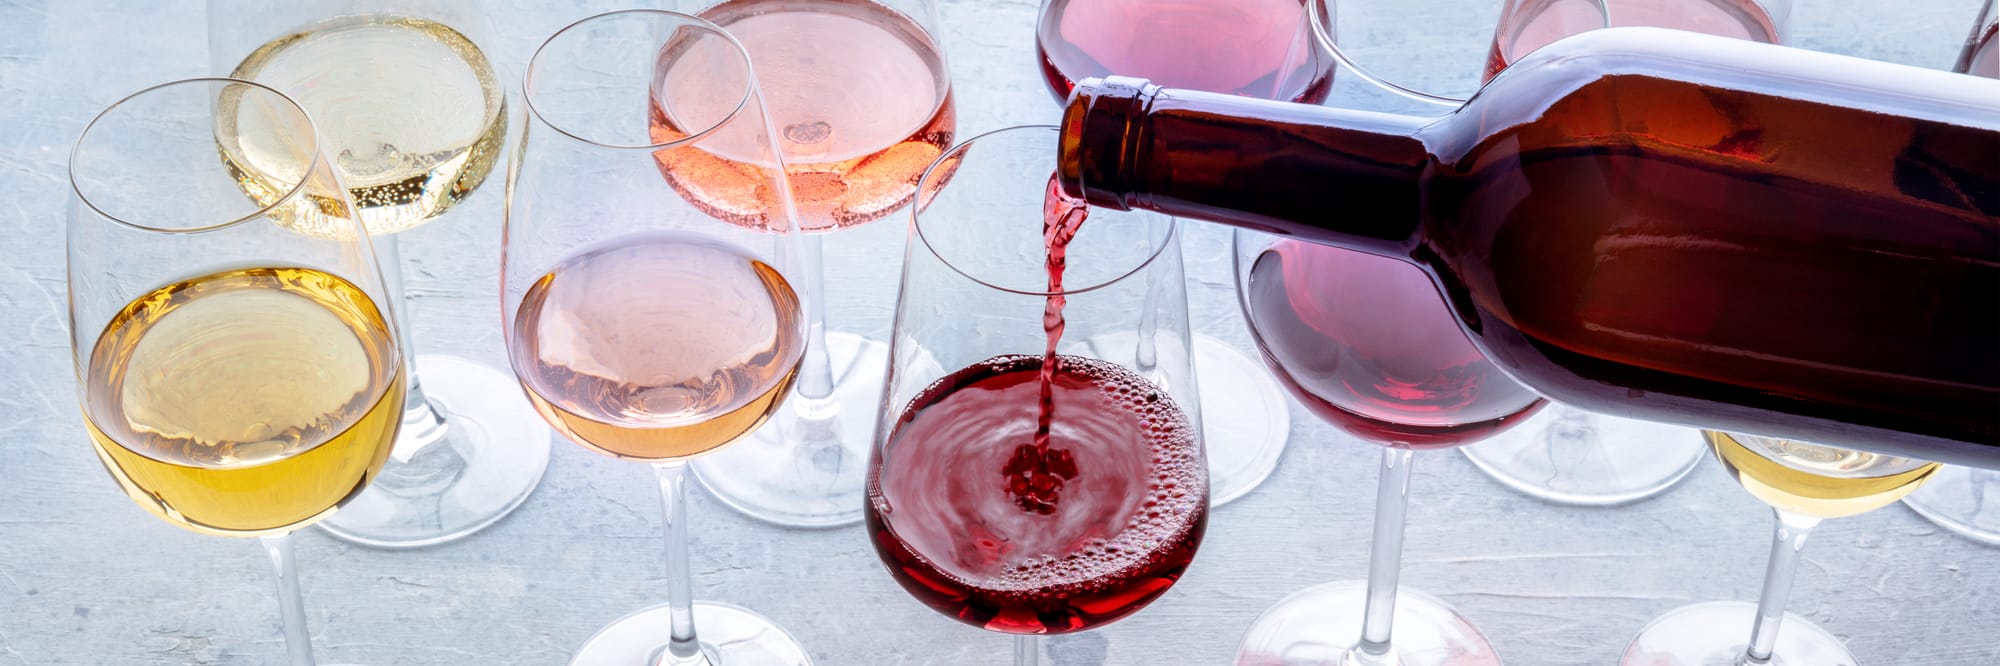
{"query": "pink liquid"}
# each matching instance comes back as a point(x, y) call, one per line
point(1368, 344)
point(657, 346)
point(945, 516)
point(1254, 48)
point(858, 96)
point(1527, 25)
point(1038, 472)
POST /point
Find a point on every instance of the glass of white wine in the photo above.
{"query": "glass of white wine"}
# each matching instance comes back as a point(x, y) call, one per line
point(414, 117)
point(1803, 484)
point(861, 102)
point(238, 377)
point(642, 325)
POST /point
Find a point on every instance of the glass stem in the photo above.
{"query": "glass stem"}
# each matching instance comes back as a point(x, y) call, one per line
point(298, 641)
point(1385, 559)
point(1785, 546)
point(1027, 650)
point(683, 648)
point(422, 425)
point(813, 394)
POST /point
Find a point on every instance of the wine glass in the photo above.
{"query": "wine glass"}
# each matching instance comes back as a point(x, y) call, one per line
point(1368, 344)
point(860, 99)
point(238, 373)
point(1955, 497)
point(1803, 484)
point(1564, 454)
point(640, 325)
point(1039, 468)
point(1255, 48)
point(414, 118)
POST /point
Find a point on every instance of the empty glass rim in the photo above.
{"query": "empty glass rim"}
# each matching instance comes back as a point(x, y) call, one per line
point(750, 73)
point(77, 148)
point(917, 224)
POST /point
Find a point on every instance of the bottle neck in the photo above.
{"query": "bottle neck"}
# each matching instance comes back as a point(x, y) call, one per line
point(1334, 176)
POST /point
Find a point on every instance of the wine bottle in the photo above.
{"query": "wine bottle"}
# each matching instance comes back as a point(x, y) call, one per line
point(1662, 224)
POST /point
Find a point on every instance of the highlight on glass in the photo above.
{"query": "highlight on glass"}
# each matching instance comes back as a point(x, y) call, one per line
point(414, 116)
point(1039, 468)
point(239, 370)
point(644, 320)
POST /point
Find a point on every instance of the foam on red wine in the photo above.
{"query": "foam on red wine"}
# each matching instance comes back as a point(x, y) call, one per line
point(1127, 525)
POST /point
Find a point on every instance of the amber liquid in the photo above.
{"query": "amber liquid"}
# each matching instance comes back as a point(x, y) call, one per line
point(245, 402)
point(1723, 242)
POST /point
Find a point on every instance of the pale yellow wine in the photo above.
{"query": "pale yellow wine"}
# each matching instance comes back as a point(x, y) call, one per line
point(1815, 480)
point(409, 109)
point(245, 402)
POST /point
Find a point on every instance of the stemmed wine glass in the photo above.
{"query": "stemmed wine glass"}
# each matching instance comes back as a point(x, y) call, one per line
point(1803, 484)
point(1255, 48)
point(1368, 344)
point(860, 101)
point(641, 326)
point(1956, 497)
point(238, 371)
point(414, 118)
point(1040, 467)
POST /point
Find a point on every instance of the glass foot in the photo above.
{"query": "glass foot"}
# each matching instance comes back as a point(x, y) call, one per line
point(730, 635)
point(1317, 625)
point(1245, 420)
point(1956, 499)
point(1570, 456)
point(1715, 633)
point(457, 467)
point(806, 467)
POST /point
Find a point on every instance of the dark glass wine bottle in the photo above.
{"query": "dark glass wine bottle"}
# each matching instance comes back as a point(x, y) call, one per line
point(1655, 223)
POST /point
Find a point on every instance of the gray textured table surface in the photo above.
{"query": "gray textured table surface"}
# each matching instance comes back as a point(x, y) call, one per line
point(86, 578)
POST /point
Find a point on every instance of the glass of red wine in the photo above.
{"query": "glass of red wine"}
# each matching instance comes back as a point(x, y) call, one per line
point(860, 102)
point(1368, 344)
point(1255, 48)
point(1040, 466)
point(1966, 500)
point(639, 325)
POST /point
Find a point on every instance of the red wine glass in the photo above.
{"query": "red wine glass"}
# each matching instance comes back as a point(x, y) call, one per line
point(1256, 48)
point(639, 325)
point(860, 101)
point(1040, 467)
point(1368, 344)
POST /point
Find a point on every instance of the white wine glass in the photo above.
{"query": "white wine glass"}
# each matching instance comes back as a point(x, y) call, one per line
point(1255, 48)
point(1803, 484)
point(238, 367)
point(414, 117)
point(640, 324)
point(1966, 500)
point(861, 102)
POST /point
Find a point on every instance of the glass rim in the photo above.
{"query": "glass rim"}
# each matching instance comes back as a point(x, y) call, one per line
point(917, 224)
point(750, 74)
point(313, 130)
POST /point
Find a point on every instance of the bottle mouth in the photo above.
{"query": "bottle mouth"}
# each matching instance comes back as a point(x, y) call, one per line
point(1102, 137)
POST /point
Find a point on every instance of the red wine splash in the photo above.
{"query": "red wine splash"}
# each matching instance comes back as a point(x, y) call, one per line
point(1121, 536)
point(1036, 474)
